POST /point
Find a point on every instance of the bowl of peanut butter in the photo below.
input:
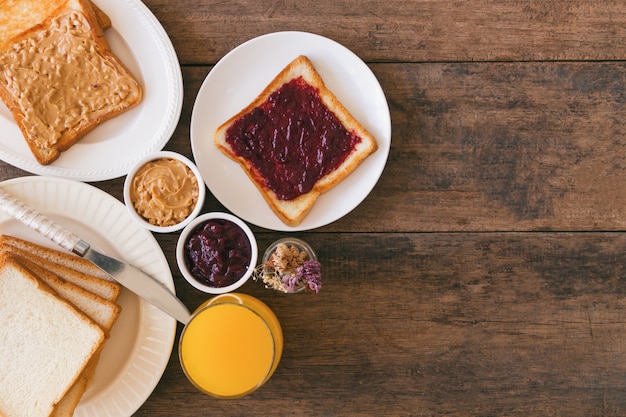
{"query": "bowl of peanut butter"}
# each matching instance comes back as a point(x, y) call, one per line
point(164, 192)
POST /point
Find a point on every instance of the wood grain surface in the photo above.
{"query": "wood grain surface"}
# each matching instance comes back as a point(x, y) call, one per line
point(407, 31)
point(484, 274)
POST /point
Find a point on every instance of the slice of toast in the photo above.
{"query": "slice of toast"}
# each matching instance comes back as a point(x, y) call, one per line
point(47, 343)
point(296, 151)
point(60, 79)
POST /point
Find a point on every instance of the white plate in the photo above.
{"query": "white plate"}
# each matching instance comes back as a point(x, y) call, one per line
point(240, 76)
point(110, 150)
point(141, 341)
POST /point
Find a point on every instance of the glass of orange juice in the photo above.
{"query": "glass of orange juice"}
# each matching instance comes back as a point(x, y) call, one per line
point(231, 346)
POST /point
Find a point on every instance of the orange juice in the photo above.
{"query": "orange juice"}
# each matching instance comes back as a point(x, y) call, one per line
point(231, 346)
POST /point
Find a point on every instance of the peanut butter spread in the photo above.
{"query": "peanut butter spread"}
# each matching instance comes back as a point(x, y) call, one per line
point(164, 192)
point(58, 77)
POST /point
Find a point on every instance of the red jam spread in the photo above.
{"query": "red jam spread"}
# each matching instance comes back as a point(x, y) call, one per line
point(218, 253)
point(292, 139)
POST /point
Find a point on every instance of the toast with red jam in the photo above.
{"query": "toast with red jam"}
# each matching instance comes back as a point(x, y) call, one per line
point(295, 141)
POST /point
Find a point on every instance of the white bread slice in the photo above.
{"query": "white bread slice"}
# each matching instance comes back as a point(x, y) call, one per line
point(293, 211)
point(46, 343)
point(60, 79)
point(101, 311)
point(58, 256)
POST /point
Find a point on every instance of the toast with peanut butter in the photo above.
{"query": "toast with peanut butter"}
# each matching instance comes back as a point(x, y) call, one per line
point(59, 78)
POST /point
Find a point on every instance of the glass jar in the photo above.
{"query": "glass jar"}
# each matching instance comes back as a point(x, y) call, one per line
point(301, 245)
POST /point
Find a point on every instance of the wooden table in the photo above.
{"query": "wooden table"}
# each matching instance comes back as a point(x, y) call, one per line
point(484, 275)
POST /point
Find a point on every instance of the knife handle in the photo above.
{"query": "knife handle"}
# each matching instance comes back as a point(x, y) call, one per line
point(35, 220)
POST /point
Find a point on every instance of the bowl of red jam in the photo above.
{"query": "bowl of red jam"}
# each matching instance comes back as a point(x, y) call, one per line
point(216, 253)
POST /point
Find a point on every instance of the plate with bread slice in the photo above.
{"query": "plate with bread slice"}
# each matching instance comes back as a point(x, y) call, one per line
point(95, 349)
point(291, 131)
point(88, 87)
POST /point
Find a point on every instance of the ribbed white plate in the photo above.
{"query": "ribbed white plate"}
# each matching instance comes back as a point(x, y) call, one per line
point(137, 352)
point(110, 150)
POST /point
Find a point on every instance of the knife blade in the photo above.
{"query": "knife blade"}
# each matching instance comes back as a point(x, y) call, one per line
point(131, 277)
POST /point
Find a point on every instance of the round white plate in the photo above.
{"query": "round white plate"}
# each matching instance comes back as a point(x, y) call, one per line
point(240, 76)
point(141, 341)
point(111, 149)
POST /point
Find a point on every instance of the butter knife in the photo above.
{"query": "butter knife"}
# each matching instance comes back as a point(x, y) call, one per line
point(127, 275)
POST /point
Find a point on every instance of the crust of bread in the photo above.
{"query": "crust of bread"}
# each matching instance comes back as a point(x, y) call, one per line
point(104, 21)
point(31, 23)
point(292, 212)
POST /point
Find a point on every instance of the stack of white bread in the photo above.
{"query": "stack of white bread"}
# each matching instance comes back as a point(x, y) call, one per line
point(57, 311)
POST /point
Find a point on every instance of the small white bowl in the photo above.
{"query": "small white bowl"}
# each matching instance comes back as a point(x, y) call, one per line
point(181, 255)
point(141, 220)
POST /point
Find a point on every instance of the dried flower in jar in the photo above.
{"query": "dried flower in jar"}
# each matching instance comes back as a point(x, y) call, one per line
point(289, 270)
